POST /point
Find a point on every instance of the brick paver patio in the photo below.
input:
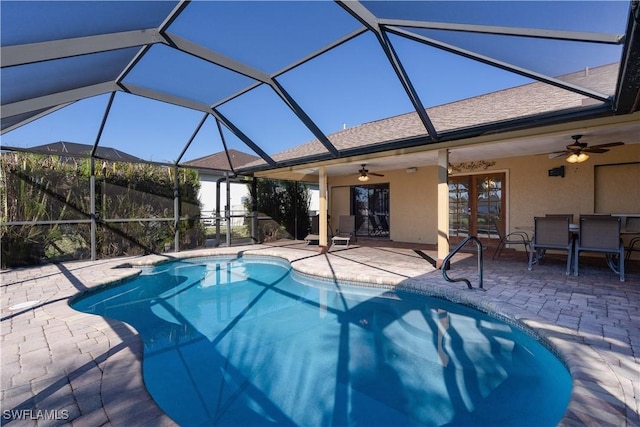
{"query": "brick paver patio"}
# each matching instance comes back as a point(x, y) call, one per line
point(62, 367)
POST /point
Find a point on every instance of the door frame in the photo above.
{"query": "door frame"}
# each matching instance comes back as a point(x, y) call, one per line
point(382, 230)
point(505, 203)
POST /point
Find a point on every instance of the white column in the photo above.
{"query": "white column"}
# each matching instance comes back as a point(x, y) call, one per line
point(322, 182)
point(443, 206)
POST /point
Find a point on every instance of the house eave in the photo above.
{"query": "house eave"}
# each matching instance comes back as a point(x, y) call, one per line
point(447, 138)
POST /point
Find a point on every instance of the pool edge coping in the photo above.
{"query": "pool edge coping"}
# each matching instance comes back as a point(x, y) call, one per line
point(538, 327)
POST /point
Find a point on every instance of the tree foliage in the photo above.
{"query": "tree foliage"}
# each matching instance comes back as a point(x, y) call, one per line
point(56, 189)
point(286, 202)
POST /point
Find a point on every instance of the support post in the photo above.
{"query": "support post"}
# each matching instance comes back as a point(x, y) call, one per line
point(296, 200)
point(218, 211)
point(443, 206)
point(254, 210)
point(324, 241)
point(92, 213)
point(176, 209)
point(227, 208)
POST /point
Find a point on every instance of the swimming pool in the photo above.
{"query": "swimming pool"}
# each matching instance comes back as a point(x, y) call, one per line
point(250, 342)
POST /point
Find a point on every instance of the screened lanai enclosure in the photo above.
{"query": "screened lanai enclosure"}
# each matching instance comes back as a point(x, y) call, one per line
point(61, 207)
point(106, 104)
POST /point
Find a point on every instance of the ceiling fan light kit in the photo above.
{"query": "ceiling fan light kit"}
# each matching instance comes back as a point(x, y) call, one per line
point(364, 173)
point(577, 151)
point(577, 158)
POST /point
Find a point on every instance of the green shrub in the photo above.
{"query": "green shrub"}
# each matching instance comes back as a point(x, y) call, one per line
point(57, 188)
point(286, 203)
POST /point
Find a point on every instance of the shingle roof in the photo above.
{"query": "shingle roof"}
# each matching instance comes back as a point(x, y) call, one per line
point(75, 149)
point(219, 160)
point(521, 101)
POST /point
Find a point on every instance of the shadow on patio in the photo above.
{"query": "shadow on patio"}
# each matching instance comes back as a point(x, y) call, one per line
point(591, 320)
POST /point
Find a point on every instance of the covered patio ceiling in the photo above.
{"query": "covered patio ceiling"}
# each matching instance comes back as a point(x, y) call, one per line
point(172, 81)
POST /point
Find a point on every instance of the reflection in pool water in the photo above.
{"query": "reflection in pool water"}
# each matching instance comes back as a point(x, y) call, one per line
point(248, 342)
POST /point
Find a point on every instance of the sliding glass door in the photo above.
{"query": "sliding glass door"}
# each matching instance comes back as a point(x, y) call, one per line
point(370, 205)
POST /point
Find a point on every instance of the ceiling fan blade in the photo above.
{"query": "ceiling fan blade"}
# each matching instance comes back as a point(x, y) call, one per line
point(595, 150)
point(375, 174)
point(557, 154)
point(610, 144)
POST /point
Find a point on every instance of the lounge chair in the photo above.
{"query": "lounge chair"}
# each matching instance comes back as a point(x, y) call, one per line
point(346, 230)
point(314, 232)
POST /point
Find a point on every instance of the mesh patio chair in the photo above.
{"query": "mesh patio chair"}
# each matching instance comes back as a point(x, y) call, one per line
point(632, 248)
point(601, 234)
point(551, 233)
point(515, 238)
point(346, 230)
point(632, 224)
point(570, 216)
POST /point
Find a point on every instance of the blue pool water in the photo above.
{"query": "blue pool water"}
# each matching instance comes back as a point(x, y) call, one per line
point(248, 342)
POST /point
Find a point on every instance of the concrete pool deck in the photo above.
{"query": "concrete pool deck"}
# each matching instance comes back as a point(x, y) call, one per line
point(63, 367)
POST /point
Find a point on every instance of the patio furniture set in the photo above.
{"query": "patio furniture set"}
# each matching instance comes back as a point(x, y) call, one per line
point(593, 234)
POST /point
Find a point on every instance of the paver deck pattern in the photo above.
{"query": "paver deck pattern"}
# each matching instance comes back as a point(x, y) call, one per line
point(63, 367)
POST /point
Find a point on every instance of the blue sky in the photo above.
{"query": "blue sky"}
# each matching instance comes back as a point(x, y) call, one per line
point(350, 85)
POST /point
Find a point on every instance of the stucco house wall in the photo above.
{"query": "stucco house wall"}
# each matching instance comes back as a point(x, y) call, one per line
point(530, 192)
point(534, 193)
point(413, 202)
